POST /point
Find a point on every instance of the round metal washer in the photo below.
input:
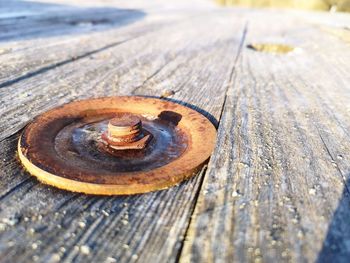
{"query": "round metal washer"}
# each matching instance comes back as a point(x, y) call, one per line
point(49, 155)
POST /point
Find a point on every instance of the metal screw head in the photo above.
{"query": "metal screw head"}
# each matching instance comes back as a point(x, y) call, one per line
point(125, 132)
point(125, 128)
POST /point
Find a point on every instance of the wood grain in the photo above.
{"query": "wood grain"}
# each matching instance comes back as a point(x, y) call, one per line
point(276, 188)
point(43, 224)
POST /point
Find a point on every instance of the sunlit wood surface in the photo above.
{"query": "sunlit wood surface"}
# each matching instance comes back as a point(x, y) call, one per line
point(276, 83)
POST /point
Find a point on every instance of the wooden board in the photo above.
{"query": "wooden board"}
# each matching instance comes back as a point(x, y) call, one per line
point(44, 224)
point(276, 186)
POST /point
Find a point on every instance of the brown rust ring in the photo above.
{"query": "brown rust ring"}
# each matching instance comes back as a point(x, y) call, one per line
point(39, 147)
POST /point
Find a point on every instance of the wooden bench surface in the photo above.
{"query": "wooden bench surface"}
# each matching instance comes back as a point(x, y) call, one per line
point(276, 189)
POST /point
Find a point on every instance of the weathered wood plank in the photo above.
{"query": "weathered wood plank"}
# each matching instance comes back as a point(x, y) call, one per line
point(276, 189)
point(125, 66)
point(25, 58)
point(44, 224)
point(280, 168)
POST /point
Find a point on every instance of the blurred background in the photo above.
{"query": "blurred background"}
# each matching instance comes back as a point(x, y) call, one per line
point(327, 5)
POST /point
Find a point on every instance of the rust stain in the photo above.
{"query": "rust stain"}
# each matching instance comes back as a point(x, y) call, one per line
point(167, 93)
point(75, 146)
point(271, 48)
point(125, 132)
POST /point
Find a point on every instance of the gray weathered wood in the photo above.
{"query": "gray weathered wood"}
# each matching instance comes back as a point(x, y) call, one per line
point(43, 224)
point(276, 188)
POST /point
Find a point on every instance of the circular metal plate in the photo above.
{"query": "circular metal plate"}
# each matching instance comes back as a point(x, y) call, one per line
point(62, 147)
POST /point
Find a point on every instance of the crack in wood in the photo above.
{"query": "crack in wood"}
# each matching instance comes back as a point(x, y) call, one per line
point(61, 63)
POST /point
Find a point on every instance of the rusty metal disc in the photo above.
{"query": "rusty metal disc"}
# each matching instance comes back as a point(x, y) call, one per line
point(68, 147)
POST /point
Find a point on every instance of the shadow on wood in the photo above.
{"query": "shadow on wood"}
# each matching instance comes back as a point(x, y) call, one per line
point(210, 117)
point(29, 20)
point(336, 245)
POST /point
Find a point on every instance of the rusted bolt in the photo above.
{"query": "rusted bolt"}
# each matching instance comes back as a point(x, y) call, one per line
point(125, 132)
point(182, 139)
point(126, 128)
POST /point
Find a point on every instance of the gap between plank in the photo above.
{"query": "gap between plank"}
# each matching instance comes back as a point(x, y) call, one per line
point(62, 63)
point(202, 174)
point(336, 164)
point(231, 77)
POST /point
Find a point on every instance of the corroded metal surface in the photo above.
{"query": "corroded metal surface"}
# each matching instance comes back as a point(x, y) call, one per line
point(125, 132)
point(71, 147)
